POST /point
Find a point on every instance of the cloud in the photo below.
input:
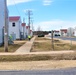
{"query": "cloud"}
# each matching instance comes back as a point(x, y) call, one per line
point(55, 25)
point(47, 2)
point(29, 9)
point(12, 2)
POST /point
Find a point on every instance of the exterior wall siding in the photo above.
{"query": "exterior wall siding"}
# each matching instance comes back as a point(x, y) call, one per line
point(24, 32)
point(2, 16)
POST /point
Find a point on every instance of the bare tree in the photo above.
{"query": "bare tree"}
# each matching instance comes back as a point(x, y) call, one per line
point(39, 28)
point(39, 31)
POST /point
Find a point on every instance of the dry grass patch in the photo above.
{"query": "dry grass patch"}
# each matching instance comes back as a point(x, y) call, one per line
point(38, 57)
point(41, 46)
point(44, 44)
point(13, 47)
point(41, 38)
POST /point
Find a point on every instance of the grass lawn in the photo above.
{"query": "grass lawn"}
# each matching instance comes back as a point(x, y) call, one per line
point(44, 44)
point(13, 47)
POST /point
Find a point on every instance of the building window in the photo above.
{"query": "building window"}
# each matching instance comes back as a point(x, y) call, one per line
point(13, 24)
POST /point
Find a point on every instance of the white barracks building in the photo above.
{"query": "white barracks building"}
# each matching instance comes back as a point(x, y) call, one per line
point(15, 26)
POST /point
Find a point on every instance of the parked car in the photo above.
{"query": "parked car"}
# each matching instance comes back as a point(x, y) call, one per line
point(57, 35)
point(40, 35)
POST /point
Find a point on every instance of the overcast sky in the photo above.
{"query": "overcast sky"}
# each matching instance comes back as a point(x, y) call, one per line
point(48, 14)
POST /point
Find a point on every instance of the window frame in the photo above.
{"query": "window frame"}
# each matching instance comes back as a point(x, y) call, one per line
point(13, 24)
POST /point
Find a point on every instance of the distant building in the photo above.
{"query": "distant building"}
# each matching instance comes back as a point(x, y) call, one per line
point(2, 20)
point(56, 32)
point(63, 32)
point(27, 30)
point(75, 33)
point(23, 32)
point(31, 33)
point(15, 26)
point(70, 32)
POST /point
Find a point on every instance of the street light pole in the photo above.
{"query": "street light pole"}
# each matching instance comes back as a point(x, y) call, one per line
point(5, 28)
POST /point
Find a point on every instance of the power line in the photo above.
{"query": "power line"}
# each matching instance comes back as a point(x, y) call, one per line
point(16, 7)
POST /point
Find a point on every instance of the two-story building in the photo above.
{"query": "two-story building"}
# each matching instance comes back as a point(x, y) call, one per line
point(15, 27)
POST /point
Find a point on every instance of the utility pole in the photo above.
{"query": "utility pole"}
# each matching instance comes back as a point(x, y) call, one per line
point(52, 40)
point(5, 28)
point(32, 25)
point(24, 28)
point(29, 19)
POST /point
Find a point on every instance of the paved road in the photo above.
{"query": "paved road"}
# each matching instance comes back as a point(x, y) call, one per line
point(71, 71)
point(67, 38)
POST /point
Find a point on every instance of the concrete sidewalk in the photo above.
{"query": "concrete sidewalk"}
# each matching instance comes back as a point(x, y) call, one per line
point(36, 53)
point(26, 47)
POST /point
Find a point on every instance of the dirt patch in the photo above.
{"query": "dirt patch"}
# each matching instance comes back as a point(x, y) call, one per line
point(37, 65)
point(18, 41)
point(40, 41)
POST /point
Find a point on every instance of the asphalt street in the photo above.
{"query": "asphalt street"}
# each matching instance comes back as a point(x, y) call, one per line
point(67, 38)
point(71, 71)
